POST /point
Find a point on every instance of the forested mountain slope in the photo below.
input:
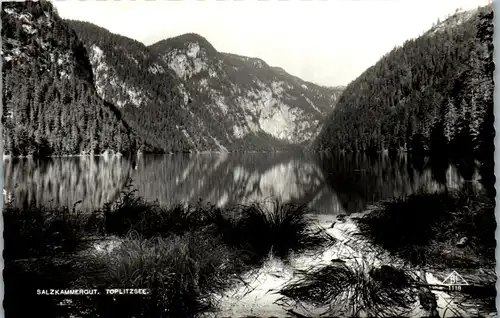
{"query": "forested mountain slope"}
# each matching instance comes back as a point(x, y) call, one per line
point(149, 95)
point(50, 106)
point(434, 94)
point(186, 96)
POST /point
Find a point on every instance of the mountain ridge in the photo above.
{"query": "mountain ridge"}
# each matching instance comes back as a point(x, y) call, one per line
point(178, 95)
point(432, 95)
point(228, 102)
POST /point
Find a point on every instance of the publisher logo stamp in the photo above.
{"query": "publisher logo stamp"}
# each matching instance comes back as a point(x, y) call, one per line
point(455, 281)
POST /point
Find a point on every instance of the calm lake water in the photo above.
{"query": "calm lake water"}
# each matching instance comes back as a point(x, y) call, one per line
point(345, 184)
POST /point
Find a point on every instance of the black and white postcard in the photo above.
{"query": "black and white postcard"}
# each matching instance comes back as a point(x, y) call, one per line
point(227, 158)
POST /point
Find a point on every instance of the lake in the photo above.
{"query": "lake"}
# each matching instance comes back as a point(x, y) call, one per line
point(344, 184)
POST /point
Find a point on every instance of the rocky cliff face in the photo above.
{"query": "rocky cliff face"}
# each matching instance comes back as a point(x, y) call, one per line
point(194, 98)
point(245, 94)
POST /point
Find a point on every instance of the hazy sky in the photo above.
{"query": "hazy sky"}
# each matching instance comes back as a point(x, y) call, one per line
point(329, 42)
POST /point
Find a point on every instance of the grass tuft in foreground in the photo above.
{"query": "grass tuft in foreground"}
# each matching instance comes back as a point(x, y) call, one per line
point(273, 227)
point(183, 272)
point(354, 290)
point(426, 228)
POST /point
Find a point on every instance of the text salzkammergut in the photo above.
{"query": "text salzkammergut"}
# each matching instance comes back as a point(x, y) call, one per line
point(111, 291)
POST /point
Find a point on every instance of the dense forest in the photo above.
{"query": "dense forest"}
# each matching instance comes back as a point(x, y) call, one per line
point(433, 95)
point(50, 104)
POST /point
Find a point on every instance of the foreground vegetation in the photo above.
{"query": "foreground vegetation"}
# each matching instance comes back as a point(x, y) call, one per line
point(447, 229)
point(425, 231)
point(360, 289)
point(442, 232)
point(185, 254)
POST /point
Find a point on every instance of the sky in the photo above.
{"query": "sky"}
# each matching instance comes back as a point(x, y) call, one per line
point(328, 42)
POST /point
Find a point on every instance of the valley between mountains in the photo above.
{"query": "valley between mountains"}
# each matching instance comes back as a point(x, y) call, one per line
point(177, 95)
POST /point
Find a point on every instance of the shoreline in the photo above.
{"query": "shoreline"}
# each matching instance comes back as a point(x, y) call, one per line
point(259, 291)
point(259, 297)
point(118, 154)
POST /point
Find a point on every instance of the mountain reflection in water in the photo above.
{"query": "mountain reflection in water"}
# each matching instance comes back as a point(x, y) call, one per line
point(330, 185)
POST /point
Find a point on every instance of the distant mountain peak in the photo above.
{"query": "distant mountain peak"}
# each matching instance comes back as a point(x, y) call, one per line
point(184, 41)
point(190, 36)
point(335, 88)
point(459, 17)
